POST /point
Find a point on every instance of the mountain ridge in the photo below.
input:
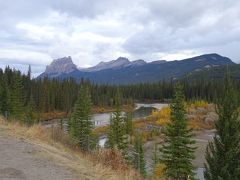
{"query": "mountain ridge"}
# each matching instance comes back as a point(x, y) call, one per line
point(124, 71)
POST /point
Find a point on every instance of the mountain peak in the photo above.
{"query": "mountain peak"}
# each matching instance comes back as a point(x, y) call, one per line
point(61, 65)
point(122, 59)
point(114, 64)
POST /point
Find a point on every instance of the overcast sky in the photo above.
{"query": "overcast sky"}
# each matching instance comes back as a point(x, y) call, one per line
point(37, 31)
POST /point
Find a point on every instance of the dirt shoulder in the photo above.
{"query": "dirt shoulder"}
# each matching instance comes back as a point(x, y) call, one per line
point(27, 158)
point(22, 160)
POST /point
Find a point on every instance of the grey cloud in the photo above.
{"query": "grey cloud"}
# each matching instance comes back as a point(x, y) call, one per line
point(189, 25)
point(145, 28)
point(23, 66)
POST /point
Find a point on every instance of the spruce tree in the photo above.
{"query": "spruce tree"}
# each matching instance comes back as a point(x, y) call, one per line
point(155, 157)
point(177, 152)
point(139, 161)
point(117, 137)
point(1, 96)
point(30, 110)
point(17, 99)
point(223, 153)
point(80, 123)
point(5, 102)
point(129, 123)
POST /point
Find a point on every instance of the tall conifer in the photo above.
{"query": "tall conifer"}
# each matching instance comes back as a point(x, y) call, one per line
point(17, 99)
point(80, 123)
point(139, 161)
point(117, 136)
point(177, 151)
point(223, 154)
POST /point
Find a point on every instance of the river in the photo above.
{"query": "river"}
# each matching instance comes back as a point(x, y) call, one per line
point(141, 110)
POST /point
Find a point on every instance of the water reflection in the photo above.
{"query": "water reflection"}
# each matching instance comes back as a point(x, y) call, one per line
point(101, 119)
point(141, 110)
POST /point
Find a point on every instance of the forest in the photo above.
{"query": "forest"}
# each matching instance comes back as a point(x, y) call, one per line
point(19, 91)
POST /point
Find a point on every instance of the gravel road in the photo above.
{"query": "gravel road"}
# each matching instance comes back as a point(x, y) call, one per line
point(22, 160)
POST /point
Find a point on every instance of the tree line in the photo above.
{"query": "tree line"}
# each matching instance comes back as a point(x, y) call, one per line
point(19, 91)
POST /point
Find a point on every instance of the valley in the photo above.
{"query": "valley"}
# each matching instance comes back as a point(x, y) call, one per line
point(119, 90)
point(122, 127)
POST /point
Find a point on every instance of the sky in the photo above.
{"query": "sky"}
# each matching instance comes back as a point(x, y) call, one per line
point(37, 31)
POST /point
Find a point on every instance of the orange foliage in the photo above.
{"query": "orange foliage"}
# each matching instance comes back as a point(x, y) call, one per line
point(158, 171)
point(100, 130)
point(51, 115)
point(111, 158)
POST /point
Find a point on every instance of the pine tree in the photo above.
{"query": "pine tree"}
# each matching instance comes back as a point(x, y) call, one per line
point(17, 99)
point(80, 123)
point(129, 123)
point(117, 136)
point(155, 157)
point(1, 96)
point(223, 154)
point(177, 151)
point(28, 85)
point(115, 128)
point(31, 109)
point(139, 161)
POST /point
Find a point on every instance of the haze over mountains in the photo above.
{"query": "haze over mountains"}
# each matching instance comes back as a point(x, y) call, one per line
point(124, 71)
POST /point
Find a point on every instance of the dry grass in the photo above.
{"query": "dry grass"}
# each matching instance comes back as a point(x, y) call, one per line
point(103, 164)
point(107, 109)
point(158, 173)
point(51, 115)
point(100, 130)
point(111, 158)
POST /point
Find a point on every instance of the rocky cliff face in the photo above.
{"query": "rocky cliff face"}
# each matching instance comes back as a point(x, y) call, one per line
point(119, 63)
point(114, 64)
point(62, 65)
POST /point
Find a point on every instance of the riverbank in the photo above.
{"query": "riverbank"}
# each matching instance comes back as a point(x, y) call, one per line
point(63, 115)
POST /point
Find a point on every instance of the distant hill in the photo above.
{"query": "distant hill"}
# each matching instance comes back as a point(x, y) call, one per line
point(215, 73)
point(123, 71)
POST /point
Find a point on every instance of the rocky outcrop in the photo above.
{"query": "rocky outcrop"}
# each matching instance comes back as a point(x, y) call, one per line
point(62, 65)
point(58, 67)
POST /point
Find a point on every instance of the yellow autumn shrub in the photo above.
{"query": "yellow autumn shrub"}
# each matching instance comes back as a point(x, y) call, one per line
point(158, 172)
point(162, 117)
point(199, 104)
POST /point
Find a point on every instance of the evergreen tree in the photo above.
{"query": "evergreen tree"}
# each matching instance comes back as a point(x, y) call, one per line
point(80, 123)
point(117, 136)
point(31, 109)
point(177, 151)
point(17, 99)
point(223, 154)
point(27, 84)
point(139, 161)
point(129, 123)
point(2, 108)
point(155, 157)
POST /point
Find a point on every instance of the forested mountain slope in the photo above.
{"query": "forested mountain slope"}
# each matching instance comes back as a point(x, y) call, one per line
point(215, 73)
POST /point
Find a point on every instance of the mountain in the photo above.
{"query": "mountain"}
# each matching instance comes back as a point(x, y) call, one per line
point(123, 71)
point(114, 64)
point(60, 66)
